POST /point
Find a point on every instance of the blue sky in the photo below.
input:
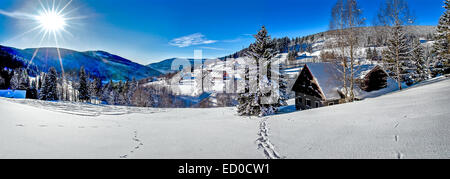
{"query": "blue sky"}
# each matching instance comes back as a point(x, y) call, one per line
point(146, 31)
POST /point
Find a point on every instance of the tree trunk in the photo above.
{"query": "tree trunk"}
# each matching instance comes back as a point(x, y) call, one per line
point(257, 81)
point(398, 66)
point(203, 79)
point(352, 60)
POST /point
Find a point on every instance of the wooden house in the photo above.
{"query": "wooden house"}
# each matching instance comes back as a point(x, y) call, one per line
point(371, 78)
point(320, 84)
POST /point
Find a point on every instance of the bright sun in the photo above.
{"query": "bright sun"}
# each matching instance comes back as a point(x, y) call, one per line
point(51, 21)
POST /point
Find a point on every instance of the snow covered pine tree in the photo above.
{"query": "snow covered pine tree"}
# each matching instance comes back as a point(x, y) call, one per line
point(442, 38)
point(49, 88)
point(283, 87)
point(95, 88)
point(418, 59)
point(83, 87)
point(250, 102)
point(15, 80)
point(396, 55)
point(108, 93)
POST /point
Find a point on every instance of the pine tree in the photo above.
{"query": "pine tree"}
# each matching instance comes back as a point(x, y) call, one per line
point(442, 38)
point(375, 55)
point(396, 55)
point(49, 88)
point(292, 56)
point(418, 59)
point(95, 88)
point(122, 92)
point(112, 98)
point(283, 85)
point(369, 54)
point(99, 88)
point(106, 92)
point(2, 82)
point(15, 81)
point(24, 80)
point(40, 80)
point(131, 90)
point(246, 99)
point(83, 87)
point(261, 53)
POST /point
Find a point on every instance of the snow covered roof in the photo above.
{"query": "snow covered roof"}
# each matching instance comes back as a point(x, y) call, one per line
point(362, 70)
point(327, 77)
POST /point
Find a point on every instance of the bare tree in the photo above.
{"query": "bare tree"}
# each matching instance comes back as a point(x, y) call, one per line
point(346, 18)
point(337, 28)
point(354, 20)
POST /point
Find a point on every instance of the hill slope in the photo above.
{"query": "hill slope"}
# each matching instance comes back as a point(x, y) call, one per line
point(409, 124)
point(165, 66)
point(97, 63)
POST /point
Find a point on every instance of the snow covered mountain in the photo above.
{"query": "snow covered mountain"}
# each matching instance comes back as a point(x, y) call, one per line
point(97, 63)
point(165, 66)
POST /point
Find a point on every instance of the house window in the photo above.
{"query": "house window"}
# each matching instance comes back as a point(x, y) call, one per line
point(317, 104)
point(308, 103)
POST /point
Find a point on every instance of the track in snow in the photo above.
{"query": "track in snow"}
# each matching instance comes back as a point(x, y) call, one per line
point(264, 143)
point(138, 145)
point(83, 109)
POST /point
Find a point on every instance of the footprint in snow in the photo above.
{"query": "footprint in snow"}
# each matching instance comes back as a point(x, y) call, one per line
point(400, 155)
point(396, 138)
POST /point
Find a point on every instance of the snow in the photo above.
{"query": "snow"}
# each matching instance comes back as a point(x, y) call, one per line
point(408, 124)
point(392, 86)
point(412, 123)
point(36, 129)
point(327, 76)
point(362, 70)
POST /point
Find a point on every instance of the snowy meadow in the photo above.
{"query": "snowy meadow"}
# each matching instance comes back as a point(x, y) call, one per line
point(410, 124)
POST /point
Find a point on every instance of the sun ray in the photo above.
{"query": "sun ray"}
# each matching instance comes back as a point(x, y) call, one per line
point(69, 12)
point(23, 34)
point(60, 11)
point(66, 31)
point(58, 5)
point(48, 6)
point(59, 55)
point(52, 22)
point(76, 18)
point(53, 5)
point(37, 50)
point(42, 5)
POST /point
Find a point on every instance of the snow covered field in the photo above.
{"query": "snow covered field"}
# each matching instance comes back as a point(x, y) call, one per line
point(414, 123)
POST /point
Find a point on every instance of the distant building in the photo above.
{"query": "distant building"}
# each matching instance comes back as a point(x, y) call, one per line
point(371, 78)
point(320, 84)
